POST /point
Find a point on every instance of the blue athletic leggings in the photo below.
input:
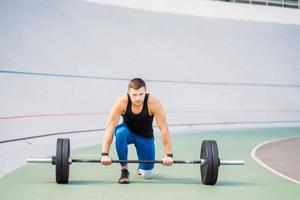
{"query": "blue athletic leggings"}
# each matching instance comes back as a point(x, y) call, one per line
point(144, 147)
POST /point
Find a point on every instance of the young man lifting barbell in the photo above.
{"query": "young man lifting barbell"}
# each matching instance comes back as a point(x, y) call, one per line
point(138, 109)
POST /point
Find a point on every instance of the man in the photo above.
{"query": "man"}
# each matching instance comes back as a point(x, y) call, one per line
point(138, 110)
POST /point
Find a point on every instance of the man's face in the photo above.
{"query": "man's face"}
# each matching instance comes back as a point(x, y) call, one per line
point(137, 96)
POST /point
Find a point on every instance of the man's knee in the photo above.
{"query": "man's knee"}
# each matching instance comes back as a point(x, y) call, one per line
point(120, 134)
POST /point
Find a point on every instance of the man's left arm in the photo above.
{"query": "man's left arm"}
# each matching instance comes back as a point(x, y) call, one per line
point(161, 122)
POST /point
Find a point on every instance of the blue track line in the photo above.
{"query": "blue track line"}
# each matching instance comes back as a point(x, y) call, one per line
point(151, 80)
point(170, 125)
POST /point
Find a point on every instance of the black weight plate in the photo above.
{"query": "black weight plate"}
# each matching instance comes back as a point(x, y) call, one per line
point(65, 161)
point(206, 169)
point(215, 162)
point(58, 160)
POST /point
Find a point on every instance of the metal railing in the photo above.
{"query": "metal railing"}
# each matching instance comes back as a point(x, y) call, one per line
point(279, 3)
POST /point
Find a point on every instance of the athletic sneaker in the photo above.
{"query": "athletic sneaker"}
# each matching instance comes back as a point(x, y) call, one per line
point(124, 178)
point(138, 172)
point(145, 173)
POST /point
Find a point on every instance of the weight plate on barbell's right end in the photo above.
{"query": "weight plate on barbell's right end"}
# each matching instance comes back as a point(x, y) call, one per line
point(206, 168)
point(209, 170)
point(216, 162)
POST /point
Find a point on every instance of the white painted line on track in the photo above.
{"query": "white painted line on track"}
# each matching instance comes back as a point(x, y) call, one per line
point(253, 154)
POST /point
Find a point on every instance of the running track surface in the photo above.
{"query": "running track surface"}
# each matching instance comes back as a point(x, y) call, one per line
point(87, 181)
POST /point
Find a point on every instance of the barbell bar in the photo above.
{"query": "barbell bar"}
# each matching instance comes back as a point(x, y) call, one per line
point(209, 161)
point(201, 162)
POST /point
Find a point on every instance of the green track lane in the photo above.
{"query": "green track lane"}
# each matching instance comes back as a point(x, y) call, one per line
point(93, 181)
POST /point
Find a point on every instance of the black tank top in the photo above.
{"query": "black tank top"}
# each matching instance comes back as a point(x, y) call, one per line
point(140, 124)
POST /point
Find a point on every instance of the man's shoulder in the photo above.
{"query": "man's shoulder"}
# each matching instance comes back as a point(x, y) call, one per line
point(153, 101)
point(122, 99)
point(120, 102)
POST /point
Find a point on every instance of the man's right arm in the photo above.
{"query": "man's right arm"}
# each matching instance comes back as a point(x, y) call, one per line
point(113, 119)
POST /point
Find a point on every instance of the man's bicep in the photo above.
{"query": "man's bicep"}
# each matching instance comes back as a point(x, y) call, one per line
point(113, 119)
point(115, 114)
point(160, 116)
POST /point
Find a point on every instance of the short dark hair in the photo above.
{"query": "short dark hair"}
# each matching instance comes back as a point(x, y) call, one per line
point(136, 83)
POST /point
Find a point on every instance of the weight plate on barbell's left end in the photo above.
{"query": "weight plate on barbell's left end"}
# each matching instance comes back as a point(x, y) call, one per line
point(58, 160)
point(62, 160)
point(65, 160)
point(209, 170)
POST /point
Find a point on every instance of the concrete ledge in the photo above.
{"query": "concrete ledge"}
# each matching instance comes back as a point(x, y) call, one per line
point(214, 9)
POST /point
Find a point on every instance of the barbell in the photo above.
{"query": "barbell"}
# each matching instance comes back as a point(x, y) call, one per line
point(209, 161)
